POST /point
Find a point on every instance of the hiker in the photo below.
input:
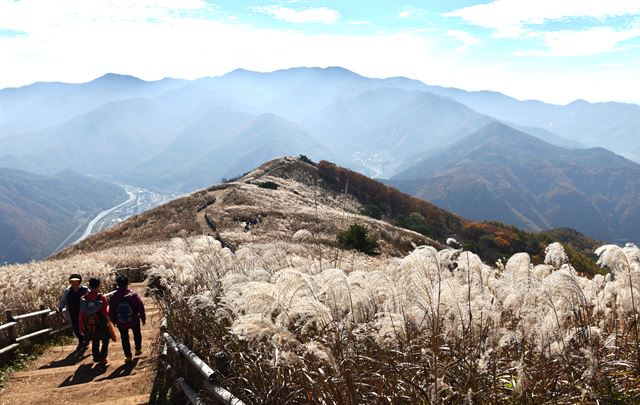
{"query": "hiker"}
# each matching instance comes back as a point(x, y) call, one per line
point(94, 321)
point(71, 300)
point(126, 311)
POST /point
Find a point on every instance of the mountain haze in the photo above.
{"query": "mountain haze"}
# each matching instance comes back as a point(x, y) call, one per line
point(250, 139)
point(395, 122)
point(612, 125)
point(180, 135)
point(41, 105)
point(49, 127)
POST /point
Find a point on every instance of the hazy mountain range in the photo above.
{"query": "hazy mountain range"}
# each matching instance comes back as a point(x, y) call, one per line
point(37, 213)
point(500, 173)
point(120, 125)
point(180, 135)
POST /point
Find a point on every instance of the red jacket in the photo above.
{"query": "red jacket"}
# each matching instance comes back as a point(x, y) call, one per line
point(92, 295)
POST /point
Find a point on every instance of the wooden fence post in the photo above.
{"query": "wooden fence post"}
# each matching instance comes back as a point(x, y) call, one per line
point(11, 332)
point(43, 317)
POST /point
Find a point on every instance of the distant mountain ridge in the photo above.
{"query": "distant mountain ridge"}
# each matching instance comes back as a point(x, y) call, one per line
point(612, 125)
point(499, 173)
point(48, 126)
point(395, 121)
point(42, 105)
point(180, 135)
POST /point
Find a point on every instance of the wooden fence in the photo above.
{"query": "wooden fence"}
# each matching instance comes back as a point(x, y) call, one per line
point(43, 315)
point(179, 362)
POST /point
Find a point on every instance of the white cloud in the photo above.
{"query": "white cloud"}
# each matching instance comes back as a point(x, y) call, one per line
point(321, 15)
point(360, 22)
point(592, 41)
point(405, 14)
point(509, 18)
point(464, 37)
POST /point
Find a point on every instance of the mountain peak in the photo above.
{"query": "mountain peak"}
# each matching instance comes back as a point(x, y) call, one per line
point(579, 102)
point(341, 70)
point(271, 118)
point(240, 71)
point(502, 132)
point(498, 137)
point(329, 70)
point(117, 78)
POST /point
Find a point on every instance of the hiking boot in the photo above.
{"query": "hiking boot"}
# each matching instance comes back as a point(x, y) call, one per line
point(138, 352)
point(103, 361)
point(128, 360)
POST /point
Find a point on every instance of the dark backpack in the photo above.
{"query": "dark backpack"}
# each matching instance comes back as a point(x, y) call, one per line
point(95, 323)
point(124, 310)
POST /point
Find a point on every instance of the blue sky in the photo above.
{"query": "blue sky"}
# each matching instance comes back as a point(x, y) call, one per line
point(553, 50)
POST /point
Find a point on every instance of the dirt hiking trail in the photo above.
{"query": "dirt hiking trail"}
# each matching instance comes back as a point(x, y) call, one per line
point(63, 376)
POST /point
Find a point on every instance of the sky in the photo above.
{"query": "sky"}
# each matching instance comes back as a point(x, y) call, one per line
point(552, 50)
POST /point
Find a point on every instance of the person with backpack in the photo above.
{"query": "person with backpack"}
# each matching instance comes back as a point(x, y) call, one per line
point(94, 321)
point(126, 311)
point(71, 300)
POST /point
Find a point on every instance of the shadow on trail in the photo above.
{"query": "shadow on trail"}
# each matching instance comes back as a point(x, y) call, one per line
point(84, 373)
point(122, 371)
point(72, 358)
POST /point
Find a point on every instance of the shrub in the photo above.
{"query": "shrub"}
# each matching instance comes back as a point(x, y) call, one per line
point(356, 237)
point(268, 184)
point(581, 262)
point(305, 159)
point(415, 222)
point(235, 178)
point(371, 210)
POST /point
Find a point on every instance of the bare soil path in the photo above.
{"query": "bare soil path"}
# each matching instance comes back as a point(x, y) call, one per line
point(200, 215)
point(63, 376)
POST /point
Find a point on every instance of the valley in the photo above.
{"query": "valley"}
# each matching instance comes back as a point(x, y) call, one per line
point(139, 201)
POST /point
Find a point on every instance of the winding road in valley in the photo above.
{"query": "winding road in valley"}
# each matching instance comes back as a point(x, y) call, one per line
point(139, 200)
point(103, 214)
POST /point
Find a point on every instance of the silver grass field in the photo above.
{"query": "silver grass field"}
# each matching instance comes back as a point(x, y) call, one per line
point(432, 326)
point(429, 327)
point(289, 318)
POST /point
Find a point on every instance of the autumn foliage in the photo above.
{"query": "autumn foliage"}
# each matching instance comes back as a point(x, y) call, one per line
point(490, 240)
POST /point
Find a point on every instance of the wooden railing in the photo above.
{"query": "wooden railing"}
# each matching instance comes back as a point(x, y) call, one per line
point(177, 356)
point(176, 359)
point(14, 320)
